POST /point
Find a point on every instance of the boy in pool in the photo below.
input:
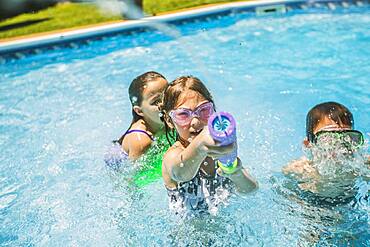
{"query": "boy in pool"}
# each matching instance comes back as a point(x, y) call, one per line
point(189, 170)
point(145, 93)
point(332, 146)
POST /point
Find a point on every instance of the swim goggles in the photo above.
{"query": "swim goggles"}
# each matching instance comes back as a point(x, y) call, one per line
point(183, 116)
point(347, 136)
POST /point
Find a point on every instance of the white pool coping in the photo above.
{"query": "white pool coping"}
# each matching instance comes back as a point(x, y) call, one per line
point(21, 44)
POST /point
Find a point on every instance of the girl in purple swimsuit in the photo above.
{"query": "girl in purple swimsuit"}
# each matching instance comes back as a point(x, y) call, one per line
point(190, 174)
point(145, 94)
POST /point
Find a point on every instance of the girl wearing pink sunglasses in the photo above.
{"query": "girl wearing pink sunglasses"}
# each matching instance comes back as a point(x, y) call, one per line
point(191, 176)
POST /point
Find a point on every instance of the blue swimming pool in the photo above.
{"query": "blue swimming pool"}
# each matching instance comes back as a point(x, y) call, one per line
point(60, 108)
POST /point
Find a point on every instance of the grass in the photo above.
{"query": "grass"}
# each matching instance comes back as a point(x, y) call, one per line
point(160, 6)
point(71, 15)
point(61, 16)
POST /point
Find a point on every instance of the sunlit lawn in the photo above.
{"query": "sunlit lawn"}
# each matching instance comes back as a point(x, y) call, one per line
point(159, 6)
point(70, 15)
point(58, 17)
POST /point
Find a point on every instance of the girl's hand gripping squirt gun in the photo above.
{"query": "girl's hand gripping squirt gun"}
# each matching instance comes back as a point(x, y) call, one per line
point(222, 127)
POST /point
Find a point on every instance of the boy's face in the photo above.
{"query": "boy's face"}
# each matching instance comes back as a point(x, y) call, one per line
point(326, 124)
point(334, 143)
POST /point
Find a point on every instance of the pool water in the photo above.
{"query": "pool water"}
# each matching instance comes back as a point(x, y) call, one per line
point(60, 109)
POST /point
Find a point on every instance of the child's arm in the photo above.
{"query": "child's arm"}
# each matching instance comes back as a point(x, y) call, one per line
point(241, 178)
point(300, 169)
point(136, 144)
point(294, 168)
point(182, 164)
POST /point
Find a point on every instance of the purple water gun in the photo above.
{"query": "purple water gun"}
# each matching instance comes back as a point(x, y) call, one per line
point(222, 127)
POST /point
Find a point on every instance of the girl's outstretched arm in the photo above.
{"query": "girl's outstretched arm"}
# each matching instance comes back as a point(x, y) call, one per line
point(182, 164)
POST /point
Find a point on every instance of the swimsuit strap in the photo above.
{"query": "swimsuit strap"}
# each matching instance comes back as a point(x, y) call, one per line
point(139, 131)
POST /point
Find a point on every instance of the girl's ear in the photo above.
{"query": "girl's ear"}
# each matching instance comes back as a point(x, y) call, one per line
point(138, 111)
point(306, 143)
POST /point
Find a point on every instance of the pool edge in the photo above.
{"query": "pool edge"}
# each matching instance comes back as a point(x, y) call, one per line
point(14, 46)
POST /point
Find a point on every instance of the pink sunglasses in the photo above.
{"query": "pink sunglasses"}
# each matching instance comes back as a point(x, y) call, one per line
point(183, 116)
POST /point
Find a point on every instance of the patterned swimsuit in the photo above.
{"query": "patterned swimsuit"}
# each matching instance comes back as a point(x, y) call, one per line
point(203, 193)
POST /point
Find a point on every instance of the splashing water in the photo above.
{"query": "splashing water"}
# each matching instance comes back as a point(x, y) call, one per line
point(54, 190)
point(334, 158)
point(338, 168)
point(128, 9)
point(125, 8)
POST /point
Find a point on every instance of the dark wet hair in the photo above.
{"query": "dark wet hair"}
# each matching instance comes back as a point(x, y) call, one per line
point(171, 96)
point(333, 110)
point(135, 92)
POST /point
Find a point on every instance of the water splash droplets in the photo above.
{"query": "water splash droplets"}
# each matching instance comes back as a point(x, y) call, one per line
point(62, 68)
point(7, 200)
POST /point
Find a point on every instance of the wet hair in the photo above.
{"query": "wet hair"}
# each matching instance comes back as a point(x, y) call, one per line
point(135, 92)
point(333, 110)
point(171, 97)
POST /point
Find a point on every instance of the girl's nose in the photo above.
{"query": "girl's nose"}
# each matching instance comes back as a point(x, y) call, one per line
point(195, 123)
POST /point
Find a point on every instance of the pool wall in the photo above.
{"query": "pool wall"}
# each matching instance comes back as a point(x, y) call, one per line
point(35, 45)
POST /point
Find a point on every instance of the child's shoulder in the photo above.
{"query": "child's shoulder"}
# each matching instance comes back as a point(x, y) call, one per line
point(299, 168)
point(296, 165)
point(139, 132)
point(137, 140)
point(173, 151)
